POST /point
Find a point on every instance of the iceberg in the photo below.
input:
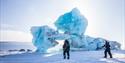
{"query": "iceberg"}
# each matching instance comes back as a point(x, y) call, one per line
point(42, 37)
point(45, 37)
point(97, 43)
point(72, 22)
point(73, 26)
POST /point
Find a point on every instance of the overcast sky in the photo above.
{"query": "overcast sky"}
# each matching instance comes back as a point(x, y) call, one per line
point(106, 18)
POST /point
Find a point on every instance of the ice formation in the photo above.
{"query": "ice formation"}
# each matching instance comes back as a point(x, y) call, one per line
point(97, 43)
point(73, 24)
point(42, 37)
point(45, 37)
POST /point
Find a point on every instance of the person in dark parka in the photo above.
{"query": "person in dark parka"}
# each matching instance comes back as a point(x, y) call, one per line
point(66, 49)
point(107, 49)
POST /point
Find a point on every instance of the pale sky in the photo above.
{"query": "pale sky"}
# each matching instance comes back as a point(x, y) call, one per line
point(106, 18)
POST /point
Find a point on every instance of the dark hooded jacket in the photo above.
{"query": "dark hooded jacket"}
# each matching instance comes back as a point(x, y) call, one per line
point(107, 45)
point(66, 46)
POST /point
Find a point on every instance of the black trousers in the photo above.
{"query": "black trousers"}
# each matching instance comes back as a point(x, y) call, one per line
point(66, 54)
point(109, 52)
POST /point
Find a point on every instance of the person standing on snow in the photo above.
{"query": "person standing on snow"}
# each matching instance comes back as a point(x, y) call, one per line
point(107, 49)
point(66, 49)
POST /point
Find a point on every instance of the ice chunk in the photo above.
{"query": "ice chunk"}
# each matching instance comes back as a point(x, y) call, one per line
point(97, 43)
point(45, 37)
point(42, 37)
point(72, 22)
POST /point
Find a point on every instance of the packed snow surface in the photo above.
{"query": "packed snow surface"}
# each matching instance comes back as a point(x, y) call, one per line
point(75, 57)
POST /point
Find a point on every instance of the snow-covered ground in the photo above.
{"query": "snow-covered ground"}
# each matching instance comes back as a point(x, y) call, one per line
point(76, 57)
